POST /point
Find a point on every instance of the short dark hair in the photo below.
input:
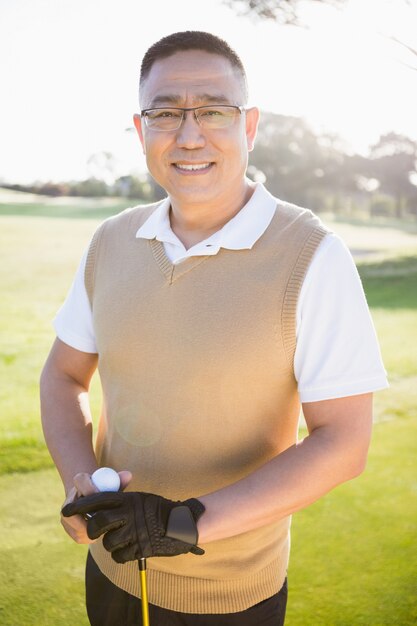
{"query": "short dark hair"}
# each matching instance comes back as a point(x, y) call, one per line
point(190, 40)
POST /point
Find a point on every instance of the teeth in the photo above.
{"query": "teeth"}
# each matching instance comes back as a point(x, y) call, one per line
point(191, 168)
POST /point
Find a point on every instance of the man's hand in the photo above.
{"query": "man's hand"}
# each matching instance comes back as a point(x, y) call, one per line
point(76, 526)
point(137, 525)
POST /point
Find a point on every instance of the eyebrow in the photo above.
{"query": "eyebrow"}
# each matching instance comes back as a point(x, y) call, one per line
point(173, 99)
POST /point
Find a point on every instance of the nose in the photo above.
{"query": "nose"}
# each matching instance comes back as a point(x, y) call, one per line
point(189, 134)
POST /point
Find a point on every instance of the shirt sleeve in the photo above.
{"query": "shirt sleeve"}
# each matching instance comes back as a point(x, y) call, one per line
point(73, 322)
point(337, 352)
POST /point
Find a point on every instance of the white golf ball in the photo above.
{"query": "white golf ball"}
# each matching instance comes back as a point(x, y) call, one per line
point(106, 479)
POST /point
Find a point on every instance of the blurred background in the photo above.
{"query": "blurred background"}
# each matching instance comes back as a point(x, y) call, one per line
point(336, 82)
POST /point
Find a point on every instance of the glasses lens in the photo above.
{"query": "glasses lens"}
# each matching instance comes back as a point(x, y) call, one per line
point(163, 119)
point(217, 116)
point(207, 116)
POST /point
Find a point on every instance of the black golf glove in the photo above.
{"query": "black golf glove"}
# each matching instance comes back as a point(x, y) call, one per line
point(137, 525)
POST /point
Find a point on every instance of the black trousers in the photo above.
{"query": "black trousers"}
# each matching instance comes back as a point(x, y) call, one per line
point(107, 605)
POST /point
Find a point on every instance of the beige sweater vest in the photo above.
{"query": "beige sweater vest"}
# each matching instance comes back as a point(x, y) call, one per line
point(196, 365)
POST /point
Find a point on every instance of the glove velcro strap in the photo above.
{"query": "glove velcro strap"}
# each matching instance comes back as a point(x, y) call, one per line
point(196, 507)
point(182, 521)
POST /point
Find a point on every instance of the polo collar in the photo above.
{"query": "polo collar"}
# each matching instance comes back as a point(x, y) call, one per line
point(239, 233)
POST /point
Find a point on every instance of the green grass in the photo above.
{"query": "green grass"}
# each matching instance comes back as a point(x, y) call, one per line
point(41, 570)
point(408, 224)
point(39, 258)
point(391, 290)
point(392, 283)
point(64, 211)
point(15, 203)
point(352, 557)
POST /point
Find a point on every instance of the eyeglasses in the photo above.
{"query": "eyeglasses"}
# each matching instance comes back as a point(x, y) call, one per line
point(209, 117)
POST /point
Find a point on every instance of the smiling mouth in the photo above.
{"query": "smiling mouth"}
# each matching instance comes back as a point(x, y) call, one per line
point(193, 167)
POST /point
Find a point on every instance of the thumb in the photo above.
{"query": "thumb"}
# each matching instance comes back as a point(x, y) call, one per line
point(125, 478)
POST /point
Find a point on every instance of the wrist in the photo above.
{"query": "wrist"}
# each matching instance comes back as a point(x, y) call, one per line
point(208, 524)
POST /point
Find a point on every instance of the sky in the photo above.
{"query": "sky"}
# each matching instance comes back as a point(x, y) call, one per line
point(69, 74)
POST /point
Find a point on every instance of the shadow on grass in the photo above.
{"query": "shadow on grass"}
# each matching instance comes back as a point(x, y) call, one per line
point(407, 225)
point(75, 211)
point(391, 284)
point(22, 455)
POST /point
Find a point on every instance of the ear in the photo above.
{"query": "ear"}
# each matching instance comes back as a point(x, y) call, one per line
point(252, 120)
point(137, 120)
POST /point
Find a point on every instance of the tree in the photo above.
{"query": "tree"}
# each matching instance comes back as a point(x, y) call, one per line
point(316, 171)
point(298, 165)
point(288, 12)
point(412, 64)
point(89, 188)
point(135, 187)
point(281, 11)
point(394, 164)
point(102, 166)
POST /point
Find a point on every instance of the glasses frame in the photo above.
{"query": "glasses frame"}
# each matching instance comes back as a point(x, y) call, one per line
point(143, 115)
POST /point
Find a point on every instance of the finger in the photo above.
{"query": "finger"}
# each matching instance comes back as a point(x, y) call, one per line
point(72, 496)
point(93, 503)
point(123, 555)
point(76, 528)
point(116, 540)
point(84, 484)
point(197, 550)
point(100, 523)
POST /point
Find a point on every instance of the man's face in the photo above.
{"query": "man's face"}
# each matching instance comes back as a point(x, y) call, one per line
point(189, 79)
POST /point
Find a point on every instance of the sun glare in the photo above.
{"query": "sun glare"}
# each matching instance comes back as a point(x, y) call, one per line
point(65, 102)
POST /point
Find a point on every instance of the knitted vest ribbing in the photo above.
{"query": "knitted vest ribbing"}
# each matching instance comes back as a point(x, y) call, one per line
point(196, 364)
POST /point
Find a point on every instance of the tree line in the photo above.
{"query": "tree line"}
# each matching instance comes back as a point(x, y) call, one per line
point(297, 165)
point(317, 171)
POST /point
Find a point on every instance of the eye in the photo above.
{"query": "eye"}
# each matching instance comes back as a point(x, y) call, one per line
point(159, 114)
point(211, 113)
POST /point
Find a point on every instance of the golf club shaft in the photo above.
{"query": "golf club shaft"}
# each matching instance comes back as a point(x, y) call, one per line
point(144, 592)
point(173, 534)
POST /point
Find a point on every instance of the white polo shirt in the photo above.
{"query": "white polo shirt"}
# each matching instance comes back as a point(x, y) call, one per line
point(337, 352)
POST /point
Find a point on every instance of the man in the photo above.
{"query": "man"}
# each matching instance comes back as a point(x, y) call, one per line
point(210, 315)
